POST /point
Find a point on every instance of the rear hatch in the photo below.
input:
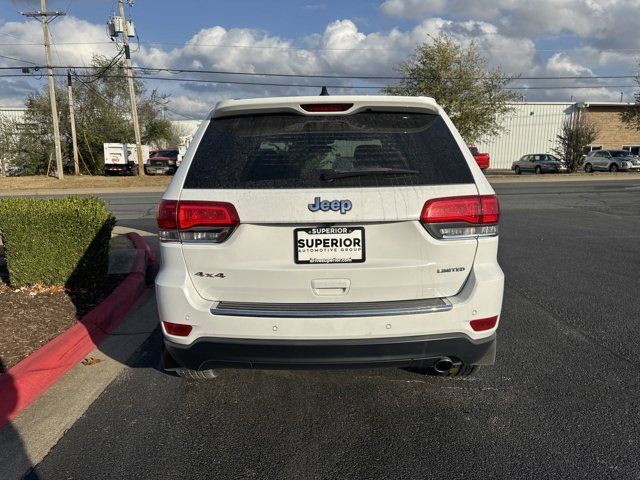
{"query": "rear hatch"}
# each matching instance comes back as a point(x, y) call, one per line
point(329, 208)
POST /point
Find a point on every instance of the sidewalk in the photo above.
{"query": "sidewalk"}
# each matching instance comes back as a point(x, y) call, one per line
point(46, 392)
point(30, 436)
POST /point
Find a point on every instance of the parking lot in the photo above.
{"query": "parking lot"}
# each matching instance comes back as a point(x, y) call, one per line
point(562, 401)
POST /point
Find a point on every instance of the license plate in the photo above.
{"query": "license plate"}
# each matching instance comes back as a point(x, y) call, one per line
point(329, 245)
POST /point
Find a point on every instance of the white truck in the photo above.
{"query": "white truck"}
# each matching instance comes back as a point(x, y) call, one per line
point(122, 158)
point(182, 147)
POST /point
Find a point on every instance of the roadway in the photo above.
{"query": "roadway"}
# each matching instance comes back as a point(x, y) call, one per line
point(562, 401)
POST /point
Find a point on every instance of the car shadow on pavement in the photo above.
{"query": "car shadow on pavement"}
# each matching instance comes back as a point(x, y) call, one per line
point(11, 444)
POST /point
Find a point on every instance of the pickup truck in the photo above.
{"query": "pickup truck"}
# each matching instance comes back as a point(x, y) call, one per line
point(162, 162)
point(482, 159)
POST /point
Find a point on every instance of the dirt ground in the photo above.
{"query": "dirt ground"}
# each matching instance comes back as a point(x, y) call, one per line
point(81, 182)
point(29, 318)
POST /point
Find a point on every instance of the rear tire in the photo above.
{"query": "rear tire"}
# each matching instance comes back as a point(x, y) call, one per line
point(588, 168)
point(538, 170)
point(196, 374)
point(517, 170)
point(613, 167)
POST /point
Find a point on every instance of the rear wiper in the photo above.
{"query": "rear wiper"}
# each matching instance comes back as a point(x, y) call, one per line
point(327, 177)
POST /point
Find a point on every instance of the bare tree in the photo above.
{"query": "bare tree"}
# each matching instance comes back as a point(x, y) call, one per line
point(631, 114)
point(576, 134)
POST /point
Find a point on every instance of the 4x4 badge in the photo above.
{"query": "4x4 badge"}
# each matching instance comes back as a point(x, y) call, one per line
point(210, 275)
point(342, 206)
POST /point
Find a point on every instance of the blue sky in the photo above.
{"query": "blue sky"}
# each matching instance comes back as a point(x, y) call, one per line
point(355, 37)
point(168, 20)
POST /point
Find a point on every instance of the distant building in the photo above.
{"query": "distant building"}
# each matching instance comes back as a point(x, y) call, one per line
point(533, 127)
point(613, 133)
point(14, 113)
point(11, 124)
point(185, 127)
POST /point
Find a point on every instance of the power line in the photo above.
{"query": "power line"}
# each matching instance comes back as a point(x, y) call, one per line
point(27, 44)
point(188, 117)
point(17, 60)
point(274, 84)
point(104, 69)
point(278, 47)
point(365, 77)
point(515, 77)
point(100, 95)
point(10, 35)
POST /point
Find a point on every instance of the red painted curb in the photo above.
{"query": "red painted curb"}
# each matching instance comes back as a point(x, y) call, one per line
point(27, 380)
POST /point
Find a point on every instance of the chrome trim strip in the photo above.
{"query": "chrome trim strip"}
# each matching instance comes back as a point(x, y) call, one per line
point(331, 310)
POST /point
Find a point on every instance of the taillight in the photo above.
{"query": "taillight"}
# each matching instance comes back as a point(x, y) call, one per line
point(483, 323)
point(326, 107)
point(177, 329)
point(167, 218)
point(461, 217)
point(196, 221)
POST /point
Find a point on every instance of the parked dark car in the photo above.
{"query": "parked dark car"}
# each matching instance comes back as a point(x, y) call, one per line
point(162, 162)
point(611, 161)
point(539, 163)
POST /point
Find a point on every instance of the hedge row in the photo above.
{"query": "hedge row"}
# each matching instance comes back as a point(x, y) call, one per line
point(56, 241)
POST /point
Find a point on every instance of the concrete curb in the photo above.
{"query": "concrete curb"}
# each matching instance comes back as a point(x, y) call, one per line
point(27, 380)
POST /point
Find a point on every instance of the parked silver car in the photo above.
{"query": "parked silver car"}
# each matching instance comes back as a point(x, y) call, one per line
point(611, 161)
point(539, 163)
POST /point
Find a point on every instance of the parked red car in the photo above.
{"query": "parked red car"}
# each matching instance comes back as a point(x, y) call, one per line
point(482, 159)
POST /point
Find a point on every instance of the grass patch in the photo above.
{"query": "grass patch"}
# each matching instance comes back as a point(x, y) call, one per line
point(42, 182)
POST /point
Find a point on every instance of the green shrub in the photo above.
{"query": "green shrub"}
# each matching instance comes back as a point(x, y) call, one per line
point(56, 241)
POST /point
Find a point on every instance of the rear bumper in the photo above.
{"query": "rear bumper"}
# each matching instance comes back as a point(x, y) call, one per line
point(422, 350)
point(117, 168)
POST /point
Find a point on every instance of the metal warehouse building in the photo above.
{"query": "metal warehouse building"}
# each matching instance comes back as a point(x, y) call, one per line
point(531, 128)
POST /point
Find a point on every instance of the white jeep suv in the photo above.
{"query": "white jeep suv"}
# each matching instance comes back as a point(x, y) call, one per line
point(329, 231)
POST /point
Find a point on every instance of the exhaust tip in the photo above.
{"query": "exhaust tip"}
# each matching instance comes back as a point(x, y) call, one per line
point(443, 365)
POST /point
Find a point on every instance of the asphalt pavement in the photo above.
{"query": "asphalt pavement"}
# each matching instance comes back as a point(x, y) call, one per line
point(562, 401)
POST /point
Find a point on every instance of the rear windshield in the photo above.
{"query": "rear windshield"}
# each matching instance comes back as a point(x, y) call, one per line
point(297, 151)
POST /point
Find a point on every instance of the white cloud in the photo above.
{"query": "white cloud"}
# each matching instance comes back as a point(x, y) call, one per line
point(75, 41)
point(604, 22)
point(340, 49)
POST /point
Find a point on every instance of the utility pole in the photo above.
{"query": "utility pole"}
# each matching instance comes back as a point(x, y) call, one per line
point(132, 90)
point(72, 118)
point(44, 16)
